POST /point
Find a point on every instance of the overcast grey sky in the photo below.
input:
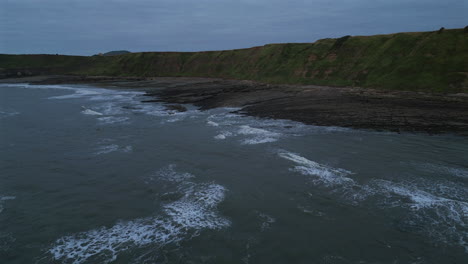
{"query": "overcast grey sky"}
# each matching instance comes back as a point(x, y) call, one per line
point(86, 27)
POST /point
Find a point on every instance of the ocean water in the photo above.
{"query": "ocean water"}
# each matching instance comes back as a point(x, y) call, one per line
point(92, 175)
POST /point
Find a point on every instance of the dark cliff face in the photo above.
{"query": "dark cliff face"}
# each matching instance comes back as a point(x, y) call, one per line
point(422, 61)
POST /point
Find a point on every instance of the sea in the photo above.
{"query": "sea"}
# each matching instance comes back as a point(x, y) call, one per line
point(95, 175)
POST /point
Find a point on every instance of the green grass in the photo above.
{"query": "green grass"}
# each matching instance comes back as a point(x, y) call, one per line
point(421, 61)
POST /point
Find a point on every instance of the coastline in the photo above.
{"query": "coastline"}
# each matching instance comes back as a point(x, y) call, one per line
point(361, 108)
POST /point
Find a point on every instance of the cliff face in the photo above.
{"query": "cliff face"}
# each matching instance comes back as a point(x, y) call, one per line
point(423, 61)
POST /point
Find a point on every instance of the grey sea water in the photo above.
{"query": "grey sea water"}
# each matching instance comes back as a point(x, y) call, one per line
point(92, 175)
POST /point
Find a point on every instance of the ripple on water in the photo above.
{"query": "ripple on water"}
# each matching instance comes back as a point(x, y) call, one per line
point(3, 199)
point(5, 113)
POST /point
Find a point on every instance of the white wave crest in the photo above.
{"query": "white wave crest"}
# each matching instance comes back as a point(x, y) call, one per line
point(7, 113)
point(112, 148)
point(181, 219)
point(325, 174)
point(223, 135)
point(90, 112)
point(102, 245)
point(78, 93)
point(441, 218)
point(109, 120)
point(195, 209)
point(259, 135)
point(211, 123)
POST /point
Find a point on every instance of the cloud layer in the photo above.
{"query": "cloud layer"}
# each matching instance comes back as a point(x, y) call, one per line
point(86, 27)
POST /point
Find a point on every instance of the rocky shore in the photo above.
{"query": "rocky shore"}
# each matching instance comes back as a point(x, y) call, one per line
point(353, 107)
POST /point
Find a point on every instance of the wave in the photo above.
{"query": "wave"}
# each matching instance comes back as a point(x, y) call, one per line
point(223, 135)
point(41, 86)
point(324, 174)
point(182, 219)
point(435, 208)
point(252, 131)
point(8, 113)
point(109, 120)
point(211, 123)
point(256, 135)
point(441, 218)
point(90, 112)
point(112, 148)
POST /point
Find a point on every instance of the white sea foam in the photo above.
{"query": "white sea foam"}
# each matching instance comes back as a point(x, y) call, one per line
point(267, 221)
point(181, 219)
point(127, 149)
point(78, 93)
point(325, 174)
point(420, 199)
point(5, 113)
point(247, 130)
point(223, 119)
point(106, 149)
point(211, 123)
point(220, 136)
point(109, 120)
point(33, 86)
point(441, 218)
point(251, 131)
point(95, 94)
point(90, 112)
point(110, 108)
point(169, 174)
point(103, 245)
point(258, 140)
point(195, 209)
point(223, 135)
point(151, 110)
point(259, 135)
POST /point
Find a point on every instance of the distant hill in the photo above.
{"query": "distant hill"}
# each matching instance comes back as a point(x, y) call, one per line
point(433, 61)
point(116, 52)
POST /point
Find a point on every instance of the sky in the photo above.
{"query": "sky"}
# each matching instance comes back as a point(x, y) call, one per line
point(87, 27)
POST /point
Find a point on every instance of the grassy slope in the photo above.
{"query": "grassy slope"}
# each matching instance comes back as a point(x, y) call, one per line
point(426, 61)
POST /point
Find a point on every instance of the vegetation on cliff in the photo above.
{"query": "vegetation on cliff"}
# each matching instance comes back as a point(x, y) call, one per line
point(422, 61)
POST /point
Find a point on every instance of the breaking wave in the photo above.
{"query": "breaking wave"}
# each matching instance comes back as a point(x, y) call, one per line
point(437, 209)
point(182, 219)
point(90, 112)
point(324, 174)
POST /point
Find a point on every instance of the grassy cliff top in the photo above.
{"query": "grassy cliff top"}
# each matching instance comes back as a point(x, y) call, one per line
point(420, 61)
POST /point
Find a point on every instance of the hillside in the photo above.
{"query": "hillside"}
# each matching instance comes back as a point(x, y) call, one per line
point(116, 52)
point(422, 61)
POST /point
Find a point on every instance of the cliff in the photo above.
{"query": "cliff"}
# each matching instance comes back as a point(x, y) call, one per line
point(418, 61)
